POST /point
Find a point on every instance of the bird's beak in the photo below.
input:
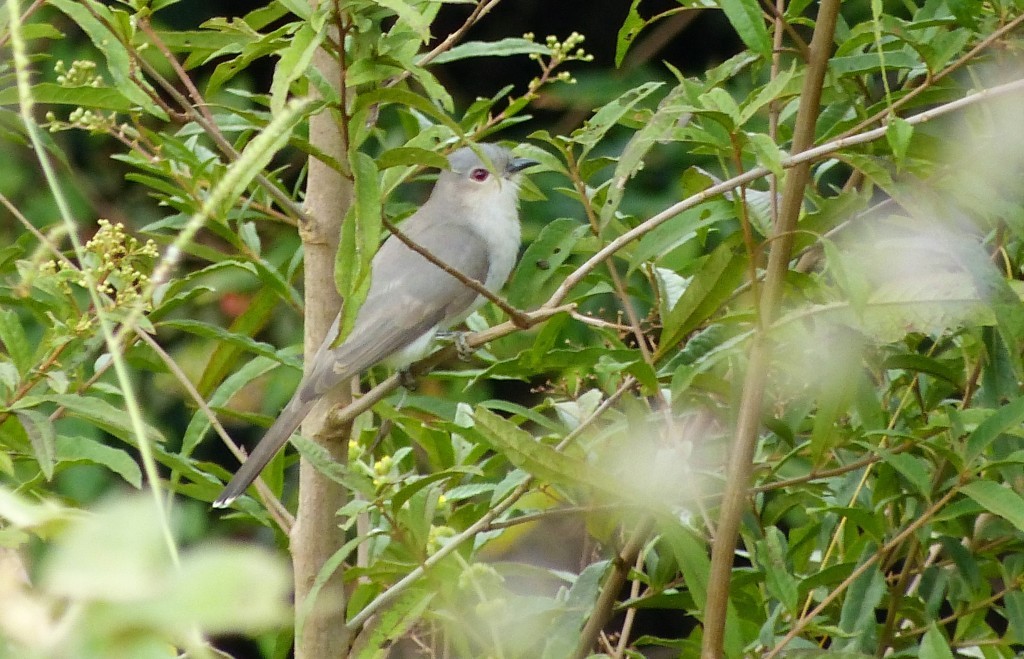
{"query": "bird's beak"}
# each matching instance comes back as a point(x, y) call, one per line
point(519, 164)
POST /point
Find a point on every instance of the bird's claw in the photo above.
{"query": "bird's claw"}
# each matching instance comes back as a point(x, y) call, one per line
point(407, 379)
point(462, 347)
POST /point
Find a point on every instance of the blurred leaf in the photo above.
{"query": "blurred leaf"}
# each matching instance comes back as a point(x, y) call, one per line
point(857, 619)
point(1006, 417)
point(41, 434)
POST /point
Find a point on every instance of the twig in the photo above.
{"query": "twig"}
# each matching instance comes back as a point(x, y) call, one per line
point(605, 604)
point(810, 155)
point(860, 570)
point(277, 511)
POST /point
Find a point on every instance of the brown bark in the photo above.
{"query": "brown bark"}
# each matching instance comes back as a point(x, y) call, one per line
point(316, 535)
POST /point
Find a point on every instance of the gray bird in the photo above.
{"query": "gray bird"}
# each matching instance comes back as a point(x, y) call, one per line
point(470, 223)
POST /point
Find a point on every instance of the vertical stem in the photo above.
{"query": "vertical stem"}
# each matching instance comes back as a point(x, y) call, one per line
point(316, 535)
point(741, 456)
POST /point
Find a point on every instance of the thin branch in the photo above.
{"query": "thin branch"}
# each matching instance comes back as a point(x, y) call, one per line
point(860, 570)
point(961, 61)
point(810, 155)
point(517, 316)
point(481, 524)
point(627, 623)
point(741, 453)
point(277, 511)
point(604, 607)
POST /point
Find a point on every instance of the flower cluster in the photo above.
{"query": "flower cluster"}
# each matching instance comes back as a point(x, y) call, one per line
point(117, 263)
point(559, 52)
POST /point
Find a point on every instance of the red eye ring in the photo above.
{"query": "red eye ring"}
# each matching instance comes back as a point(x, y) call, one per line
point(479, 174)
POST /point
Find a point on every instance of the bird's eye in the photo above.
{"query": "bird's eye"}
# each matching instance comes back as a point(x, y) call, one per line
point(479, 174)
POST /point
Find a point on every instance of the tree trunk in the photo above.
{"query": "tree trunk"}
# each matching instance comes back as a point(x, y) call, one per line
point(316, 535)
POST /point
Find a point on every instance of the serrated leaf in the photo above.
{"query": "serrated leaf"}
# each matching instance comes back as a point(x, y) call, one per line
point(714, 283)
point(525, 452)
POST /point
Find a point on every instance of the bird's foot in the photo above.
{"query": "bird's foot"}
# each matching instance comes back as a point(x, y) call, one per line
point(407, 379)
point(462, 347)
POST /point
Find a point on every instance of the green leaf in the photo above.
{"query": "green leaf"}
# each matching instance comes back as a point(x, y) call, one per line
point(857, 618)
point(664, 122)
point(414, 18)
point(633, 25)
point(525, 452)
point(199, 328)
point(360, 238)
point(934, 645)
point(777, 88)
point(300, 8)
point(714, 283)
point(295, 61)
point(98, 412)
point(779, 578)
point(82, 449)
point(12, 335)
point(1009, 416)
point(747, 20)
point(998, 500)
point(767, 152)
point(40, 433)
point(199, 425)
point(898, 134)
point(609, 114)
point(541, 260)
point(95, 18)
point(410, 157)
point(500, 48)
point(94, 98)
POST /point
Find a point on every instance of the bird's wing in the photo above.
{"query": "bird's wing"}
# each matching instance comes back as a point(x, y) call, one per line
point(408, 297)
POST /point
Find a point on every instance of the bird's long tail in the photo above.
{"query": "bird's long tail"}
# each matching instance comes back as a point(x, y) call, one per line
point(286, 424)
